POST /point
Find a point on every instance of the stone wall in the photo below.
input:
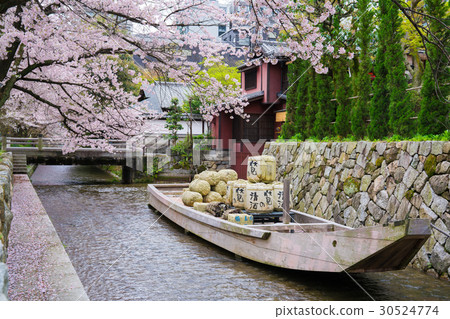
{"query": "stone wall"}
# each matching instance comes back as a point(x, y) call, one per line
point(5, 218)
point(213, 161)
point(368, 183)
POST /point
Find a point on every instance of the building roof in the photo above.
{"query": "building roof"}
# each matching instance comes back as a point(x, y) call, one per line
point(271, 49)
point(254, 95)
point(160, 94)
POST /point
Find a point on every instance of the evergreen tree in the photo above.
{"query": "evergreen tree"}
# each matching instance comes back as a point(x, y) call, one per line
point(400, 105)
point(341, 84)
point(288, 127)
point(361, 110)
point(302, 99)
point(379, 105)
point(173, 119)
point(434, 112)
point(325, 109)
point(310, 112)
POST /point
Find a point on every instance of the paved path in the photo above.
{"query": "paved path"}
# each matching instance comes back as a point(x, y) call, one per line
point(38, 266)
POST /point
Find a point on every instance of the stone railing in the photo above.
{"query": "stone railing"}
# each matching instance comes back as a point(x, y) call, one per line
point(367, 183)
point(5, 218)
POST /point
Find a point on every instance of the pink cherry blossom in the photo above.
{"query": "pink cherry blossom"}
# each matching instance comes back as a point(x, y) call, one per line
point(59, 67)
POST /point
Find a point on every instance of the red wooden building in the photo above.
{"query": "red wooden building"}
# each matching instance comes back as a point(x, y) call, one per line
point(264, 86)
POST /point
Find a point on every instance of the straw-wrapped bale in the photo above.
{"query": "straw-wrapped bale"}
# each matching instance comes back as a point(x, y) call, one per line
point(189, 198)
point(200, 186)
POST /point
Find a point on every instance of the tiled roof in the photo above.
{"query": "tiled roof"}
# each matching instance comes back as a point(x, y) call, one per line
point(160, 94)
point(254, 95)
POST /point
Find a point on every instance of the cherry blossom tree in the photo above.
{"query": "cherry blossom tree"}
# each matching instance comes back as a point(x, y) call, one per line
point(57, 70)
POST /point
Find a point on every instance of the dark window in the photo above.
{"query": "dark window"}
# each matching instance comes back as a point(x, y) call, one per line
point(262, 129)
point(222, 29)
point(250, 79)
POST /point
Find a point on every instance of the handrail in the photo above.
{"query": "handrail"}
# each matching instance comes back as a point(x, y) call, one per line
point(44, 142)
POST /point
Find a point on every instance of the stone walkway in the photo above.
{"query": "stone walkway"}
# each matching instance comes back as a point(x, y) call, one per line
point(39, 267)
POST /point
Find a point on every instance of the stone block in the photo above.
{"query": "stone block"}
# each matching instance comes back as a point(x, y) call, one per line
point(325, 187)
point(446, 148)
point(440, 237)
point(443, 168)
point(382, 199)
point(390, 185)
point(331, 194)
point(403, 209)
point(365, 182)
point(374, 158)
point(393, 205)
point(327, 172)
point(379, 184)
point(415, 161)
point(358, 172)
point(425, 148)
point(391, 155)
point(323, 204)
point(380, 147)
point(439, 205)
point(400, 191)
point(427, 194)
point(410, 177)
point(349, 164)
point(426, 213)
point(416, 200)
point(404, 160)
point(392, 167)
point(351, 186)
point(412, 148)
point(362, 215)
point(436, 147)
point(439, 183)
point(350, 216)
point(361, 160)
point(420, 182)
point(440, 259)
point(316, 199)
point(375, 211)
point(350, 147)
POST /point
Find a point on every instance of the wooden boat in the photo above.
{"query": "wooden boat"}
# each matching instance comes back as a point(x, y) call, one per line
point(310, 243)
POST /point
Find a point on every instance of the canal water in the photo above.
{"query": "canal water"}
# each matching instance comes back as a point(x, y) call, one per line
point(122, 250)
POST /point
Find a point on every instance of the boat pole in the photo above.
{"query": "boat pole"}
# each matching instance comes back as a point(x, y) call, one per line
point(286, 199)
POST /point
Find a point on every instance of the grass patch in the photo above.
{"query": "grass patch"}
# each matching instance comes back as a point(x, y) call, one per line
point(445, 136)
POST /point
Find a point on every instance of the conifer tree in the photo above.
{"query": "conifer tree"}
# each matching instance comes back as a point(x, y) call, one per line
point(361, 110)
point(341, 83)
point(302, 99)
point(325, 109)
point(310, 112)
point(288, 127)
point(173, 120)
point(379, 104)
point(434, 112)
point(400, 105)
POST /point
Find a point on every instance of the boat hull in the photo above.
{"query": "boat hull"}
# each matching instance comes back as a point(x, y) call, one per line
point(314, 248)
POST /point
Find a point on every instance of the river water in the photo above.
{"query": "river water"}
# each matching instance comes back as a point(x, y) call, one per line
point(122, 250)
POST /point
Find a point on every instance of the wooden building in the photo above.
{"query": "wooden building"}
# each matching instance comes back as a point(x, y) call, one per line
point(264, 86)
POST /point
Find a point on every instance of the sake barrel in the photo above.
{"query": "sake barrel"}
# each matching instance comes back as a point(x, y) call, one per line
point(278, 197)
point(259, 198)
point(261, 169)
point(238, 193)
